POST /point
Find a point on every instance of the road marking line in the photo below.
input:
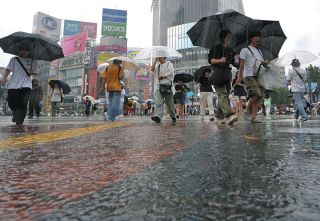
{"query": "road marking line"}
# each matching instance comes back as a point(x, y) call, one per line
point(42, 138)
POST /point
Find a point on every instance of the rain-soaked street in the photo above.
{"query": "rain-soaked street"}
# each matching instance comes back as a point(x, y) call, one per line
point(73, 169)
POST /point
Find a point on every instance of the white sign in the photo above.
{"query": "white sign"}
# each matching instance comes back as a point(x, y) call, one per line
point(47, 26)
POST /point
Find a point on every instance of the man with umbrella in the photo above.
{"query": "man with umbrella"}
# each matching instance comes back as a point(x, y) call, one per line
point(20, 85)
point(221, 58)
point(251, 56)
point(164, 75)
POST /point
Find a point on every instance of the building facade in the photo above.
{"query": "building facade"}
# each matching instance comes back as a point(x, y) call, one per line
point(172, 20)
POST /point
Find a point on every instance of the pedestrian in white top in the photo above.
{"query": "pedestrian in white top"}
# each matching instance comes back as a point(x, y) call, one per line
point(250, 57)
point(55, 96)
point(296, 77)
point(164, 75)
point(19, 85)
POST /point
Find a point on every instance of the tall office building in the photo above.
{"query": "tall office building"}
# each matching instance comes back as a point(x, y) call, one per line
point(172, 20)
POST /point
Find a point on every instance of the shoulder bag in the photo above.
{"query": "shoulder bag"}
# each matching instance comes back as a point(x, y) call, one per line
point(164, 88)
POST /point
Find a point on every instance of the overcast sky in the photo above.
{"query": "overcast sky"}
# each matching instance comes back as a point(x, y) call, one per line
point(300, 19)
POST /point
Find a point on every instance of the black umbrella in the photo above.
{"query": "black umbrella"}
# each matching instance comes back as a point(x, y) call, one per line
point(205, 33)
point(64, 86)
point(184, 77)
point(41, 48)
point(199, 73)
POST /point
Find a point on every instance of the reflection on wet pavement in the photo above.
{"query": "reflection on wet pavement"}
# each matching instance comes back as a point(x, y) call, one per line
point(142, 171)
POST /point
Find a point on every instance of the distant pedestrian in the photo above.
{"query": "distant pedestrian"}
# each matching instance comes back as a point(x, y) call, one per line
point(267, 104)
point(55, 97)
point(94, 109)
point(179, 97)
point(296, 77)
point(19, 85)
point(114, 74)
point(35, 98)
point(164, 75)
point(221, 58)
point(87, 104)
point(206, 94)
point(248, 73)
point(239, 93)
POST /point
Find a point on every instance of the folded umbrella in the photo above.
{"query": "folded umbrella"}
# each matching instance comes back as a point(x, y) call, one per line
point(184, 77)
point(304, 57)
point(40, 47)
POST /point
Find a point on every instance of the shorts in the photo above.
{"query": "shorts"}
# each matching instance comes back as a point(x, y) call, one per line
point(253, 87)
point(179, 101)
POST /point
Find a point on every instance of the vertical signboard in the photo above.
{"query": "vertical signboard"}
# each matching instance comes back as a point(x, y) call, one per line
point(114, 23)
point(47, 26)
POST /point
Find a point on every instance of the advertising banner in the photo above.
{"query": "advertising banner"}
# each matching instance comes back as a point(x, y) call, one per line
point(74, 43)
point(114, 29)
point(113, 15)
point(113, 48)
point(76, 27)
point(142, 75)
point(71, 61)
point(132, 54)
point(103, 57)
point(47, 26)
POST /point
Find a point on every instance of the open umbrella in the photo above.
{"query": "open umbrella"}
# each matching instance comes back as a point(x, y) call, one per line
point(150, 100)
point(41, 48)
point(304, 57)
point(102, 67)
point(155, 52)
point(90, 98)
point(184, 77)
point(205, 33)
point(199, 73)
point(128, 64)
point(64, 86)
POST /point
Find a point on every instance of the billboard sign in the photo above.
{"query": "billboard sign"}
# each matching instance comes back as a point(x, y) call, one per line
point(74, 43)
point(113, 15)
point(47, 26)
point(72, 61)
point(114, 29)
point(103, 57)
point(72, 27)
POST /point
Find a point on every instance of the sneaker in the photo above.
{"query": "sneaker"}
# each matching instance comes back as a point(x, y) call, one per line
point(256, 121)
point(156, 119)
point(212, 118)
point(30, 117)
point(232, 119)
point(296, 117)
point(304, 119)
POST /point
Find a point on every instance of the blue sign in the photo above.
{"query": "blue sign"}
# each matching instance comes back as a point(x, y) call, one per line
point(113, 15)
point(71, 27)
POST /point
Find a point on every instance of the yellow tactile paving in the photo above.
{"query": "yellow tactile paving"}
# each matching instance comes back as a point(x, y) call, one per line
point(41, 138)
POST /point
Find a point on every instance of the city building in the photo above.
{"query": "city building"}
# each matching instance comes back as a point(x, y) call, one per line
point(172, 20)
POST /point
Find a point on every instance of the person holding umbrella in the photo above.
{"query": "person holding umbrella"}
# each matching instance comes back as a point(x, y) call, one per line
point(164, 75)
point(250, 56)
point(221, 58)
point(55, 96)
point(87, 104)
point(206, 94)
point(19, 85)
point(36, 97)
point(179, 97)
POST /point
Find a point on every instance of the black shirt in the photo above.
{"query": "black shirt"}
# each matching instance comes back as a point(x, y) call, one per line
point(205, 86)
point(218, 52)
point(181, 89)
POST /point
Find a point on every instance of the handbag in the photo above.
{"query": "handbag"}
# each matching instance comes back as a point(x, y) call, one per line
point(164, 88)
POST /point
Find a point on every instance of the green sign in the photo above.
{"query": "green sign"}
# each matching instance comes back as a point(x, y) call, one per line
point(114, 29)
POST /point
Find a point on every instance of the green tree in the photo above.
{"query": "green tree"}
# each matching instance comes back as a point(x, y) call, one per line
point(314, 73)
point(280, 96)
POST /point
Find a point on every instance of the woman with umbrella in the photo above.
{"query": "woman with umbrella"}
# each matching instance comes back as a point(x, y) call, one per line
point(20, 84)
point(221, 58)
point(179, 97)
point(55, 96)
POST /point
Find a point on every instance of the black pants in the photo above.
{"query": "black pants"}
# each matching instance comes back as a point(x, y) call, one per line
point(34, 105)
point(18, 101)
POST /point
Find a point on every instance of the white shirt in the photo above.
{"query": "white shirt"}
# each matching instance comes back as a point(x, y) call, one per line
point(19, 78)
point(166, 70)
point(297, 85)
point(250, 60)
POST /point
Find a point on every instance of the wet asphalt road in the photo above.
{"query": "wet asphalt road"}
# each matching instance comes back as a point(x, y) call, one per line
point(77, 169)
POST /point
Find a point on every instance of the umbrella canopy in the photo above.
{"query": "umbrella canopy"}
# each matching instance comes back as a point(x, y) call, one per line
point(135, 98)
point(128, 64)
point(184, 77)
point(90, 98)
point(64, 86)
point(155, 52)
point(41, 48)
point(205, 33)
point(199, 73)
point(304, 57)
point(102, 67)
point(150, 100)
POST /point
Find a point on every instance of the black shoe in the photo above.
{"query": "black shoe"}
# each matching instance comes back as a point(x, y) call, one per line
point(174, 120)
point(30, 117)
point(156, 119)
point(178, 116)
point(13, 119)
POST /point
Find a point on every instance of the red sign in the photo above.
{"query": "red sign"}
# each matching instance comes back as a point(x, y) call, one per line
point(74, 43)
point(89, 28)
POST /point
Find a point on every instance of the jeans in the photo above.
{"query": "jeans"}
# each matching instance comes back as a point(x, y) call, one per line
point(114, 104)
point(34, 105)
point(168, 98)
point(18, 102)
point(298, 98)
